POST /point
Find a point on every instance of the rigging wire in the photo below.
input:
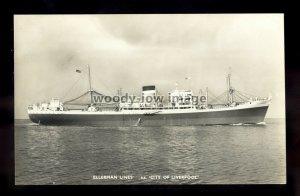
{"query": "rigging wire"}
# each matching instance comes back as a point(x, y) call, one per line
point(77, 97)
point(74, 99)
point(219, 97)
point(82, 70)
point(247, 94)
point(72, 87)
point(212, 94)
point(237, 95)
point(103, 84)
point(242, 95)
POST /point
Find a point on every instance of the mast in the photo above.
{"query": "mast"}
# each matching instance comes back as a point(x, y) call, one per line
point(90, 84)
point(230, 90)
point(206, 97)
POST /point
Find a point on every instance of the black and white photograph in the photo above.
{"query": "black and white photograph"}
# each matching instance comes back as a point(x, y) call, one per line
point(149, 99)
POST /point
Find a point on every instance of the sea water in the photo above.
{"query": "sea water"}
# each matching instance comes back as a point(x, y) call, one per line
point(229, 154)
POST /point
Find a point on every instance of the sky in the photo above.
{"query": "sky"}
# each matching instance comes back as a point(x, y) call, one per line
point(129, 51)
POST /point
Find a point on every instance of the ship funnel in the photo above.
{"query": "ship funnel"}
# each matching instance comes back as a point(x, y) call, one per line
point(149, 88)
point(148, 95)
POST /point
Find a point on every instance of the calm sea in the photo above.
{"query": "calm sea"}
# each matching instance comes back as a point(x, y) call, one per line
point(240, 154)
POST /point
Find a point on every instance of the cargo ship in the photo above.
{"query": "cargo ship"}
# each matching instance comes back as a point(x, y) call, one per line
point(182, 108)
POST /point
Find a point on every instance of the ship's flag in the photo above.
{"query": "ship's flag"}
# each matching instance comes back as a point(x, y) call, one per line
point(78, 71)
point(188, 78)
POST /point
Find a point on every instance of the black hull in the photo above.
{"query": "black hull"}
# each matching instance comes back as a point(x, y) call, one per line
point(247, 115)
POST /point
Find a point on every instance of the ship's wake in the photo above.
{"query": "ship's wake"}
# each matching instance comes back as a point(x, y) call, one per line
point(248, 124)
point(261, 123)
point(32, 124)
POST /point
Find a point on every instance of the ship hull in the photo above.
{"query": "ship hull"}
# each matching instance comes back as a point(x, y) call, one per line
point(251, 115)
